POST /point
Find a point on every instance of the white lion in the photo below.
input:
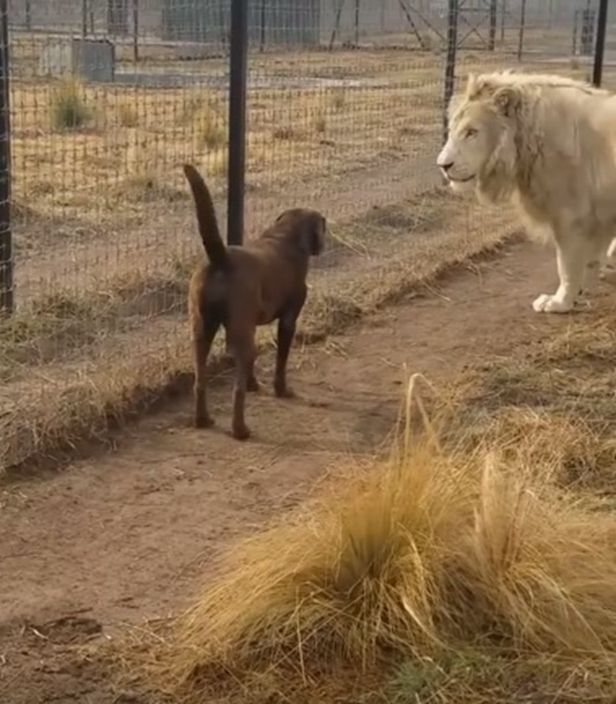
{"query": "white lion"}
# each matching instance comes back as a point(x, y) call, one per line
point(547, 143)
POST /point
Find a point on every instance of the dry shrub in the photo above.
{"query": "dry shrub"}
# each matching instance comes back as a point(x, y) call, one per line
point(127, 114)
point(320, 121)
point(430, 552)
point(216, 163)
point(210, 130)
point(338, 98)
point(147, 171)
point(285, 133)
point(556, 401)
point(68, 108)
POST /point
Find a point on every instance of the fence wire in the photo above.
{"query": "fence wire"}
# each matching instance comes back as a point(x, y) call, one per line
point(345, 114)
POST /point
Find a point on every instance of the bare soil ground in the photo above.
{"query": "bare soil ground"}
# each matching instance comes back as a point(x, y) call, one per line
point(128, 535)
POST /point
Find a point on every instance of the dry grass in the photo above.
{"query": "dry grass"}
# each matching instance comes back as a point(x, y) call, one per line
point(68, 108)
point(562, 391)
point(474, 575)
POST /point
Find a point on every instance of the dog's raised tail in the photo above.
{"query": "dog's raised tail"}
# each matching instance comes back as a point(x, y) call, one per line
point(206, 219)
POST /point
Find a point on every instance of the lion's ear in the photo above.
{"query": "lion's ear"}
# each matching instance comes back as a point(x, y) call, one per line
point(507, 100)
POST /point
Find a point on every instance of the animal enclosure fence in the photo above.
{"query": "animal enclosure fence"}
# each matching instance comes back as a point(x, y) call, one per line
point(102, 102)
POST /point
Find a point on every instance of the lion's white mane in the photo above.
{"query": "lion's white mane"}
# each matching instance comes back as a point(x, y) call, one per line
point(556, 156)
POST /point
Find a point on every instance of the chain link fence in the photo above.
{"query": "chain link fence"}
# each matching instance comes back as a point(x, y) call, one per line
point(345, 101)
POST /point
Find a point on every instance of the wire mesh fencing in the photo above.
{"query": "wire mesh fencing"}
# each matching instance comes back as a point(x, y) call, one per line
point(345, 103)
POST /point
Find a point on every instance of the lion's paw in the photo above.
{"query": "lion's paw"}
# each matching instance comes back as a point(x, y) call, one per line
point(550, 304)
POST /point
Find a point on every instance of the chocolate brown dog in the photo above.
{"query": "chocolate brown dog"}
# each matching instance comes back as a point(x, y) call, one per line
point(242, 287)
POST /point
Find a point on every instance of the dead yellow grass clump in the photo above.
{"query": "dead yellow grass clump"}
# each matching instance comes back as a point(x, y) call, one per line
point(425, 557)
point(68, 106)
point(210, 130)
point(556, 401)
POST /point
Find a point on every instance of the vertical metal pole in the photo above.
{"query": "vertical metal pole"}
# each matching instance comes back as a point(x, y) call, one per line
point(493, 17)
point(84, 19)
point(6, 236)
point(28, 15)
point(450, 64)
point(597, 72)
point(237, 121)
point(503, 20)
point(356, 23)
point(262, 28)
point(521, 35)
point(136, 30)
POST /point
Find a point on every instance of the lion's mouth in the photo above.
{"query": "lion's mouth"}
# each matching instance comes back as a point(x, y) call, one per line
point(460, 180)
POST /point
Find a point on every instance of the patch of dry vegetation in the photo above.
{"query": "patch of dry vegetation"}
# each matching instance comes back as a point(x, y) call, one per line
point(459, 577)
point(558, 399)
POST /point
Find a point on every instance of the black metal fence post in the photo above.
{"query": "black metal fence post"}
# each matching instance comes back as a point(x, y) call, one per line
point(450, 63)
point(521, 32)
point(597, 72)
point(84, 19)
point(136, 31)
point(503, 20)
point(237, 121)
point(7, 300)
point(493, 18)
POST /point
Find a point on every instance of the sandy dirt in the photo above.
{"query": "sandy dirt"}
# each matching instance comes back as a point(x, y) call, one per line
point(127, 535)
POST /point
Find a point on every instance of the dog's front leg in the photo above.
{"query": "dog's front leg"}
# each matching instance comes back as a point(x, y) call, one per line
point(572, 257)
point(286, 333)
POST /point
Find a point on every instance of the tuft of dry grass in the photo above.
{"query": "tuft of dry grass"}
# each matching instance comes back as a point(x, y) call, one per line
point(558, 399)
point(127, 113)
point(320, 121)
point(210, 130)
point(338, 98)
point(434, 557)
point(68, 108)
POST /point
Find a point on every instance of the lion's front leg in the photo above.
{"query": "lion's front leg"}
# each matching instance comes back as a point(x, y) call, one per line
point(608, 260)
point(572, 258)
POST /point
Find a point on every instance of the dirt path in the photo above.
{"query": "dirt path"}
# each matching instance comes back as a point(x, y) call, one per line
point(128, 535)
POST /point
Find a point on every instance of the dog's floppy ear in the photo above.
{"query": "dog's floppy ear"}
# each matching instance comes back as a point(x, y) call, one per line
point(312, 234)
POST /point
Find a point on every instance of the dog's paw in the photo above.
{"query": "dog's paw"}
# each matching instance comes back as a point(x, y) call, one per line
point(284, 392)
point(241, 432)
point(551, 304)
point(253, 385)
point(204, 422)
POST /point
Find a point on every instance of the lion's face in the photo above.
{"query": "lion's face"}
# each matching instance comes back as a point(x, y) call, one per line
point(475, 133)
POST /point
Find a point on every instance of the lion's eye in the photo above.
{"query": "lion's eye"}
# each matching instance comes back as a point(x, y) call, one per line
point(470, 132)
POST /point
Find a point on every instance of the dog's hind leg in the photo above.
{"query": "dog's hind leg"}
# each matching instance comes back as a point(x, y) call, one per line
point(252, 384)
point(204, 332)
point(245, 354)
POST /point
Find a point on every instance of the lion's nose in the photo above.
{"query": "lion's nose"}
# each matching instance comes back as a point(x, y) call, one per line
point(446, 166)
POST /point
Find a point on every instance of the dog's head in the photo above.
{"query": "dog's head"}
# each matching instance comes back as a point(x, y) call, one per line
point(306, 228)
